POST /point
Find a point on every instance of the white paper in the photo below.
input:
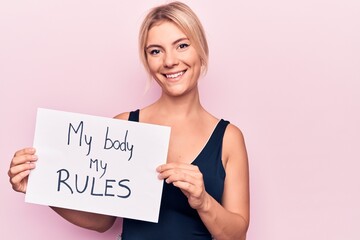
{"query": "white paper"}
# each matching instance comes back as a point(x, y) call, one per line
point(98, 164)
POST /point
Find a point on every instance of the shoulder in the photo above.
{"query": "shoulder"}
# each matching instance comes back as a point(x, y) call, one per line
point(123, 116)
point(233, 134)
point(234, 144)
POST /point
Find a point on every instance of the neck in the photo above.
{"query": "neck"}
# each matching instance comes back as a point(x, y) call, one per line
point(180, 107)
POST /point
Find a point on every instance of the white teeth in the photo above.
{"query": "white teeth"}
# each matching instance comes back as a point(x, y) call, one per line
point(175, 75)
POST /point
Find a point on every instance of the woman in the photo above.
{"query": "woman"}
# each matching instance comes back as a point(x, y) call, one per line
point(206, 190)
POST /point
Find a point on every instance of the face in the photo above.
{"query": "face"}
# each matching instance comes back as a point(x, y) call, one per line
point(173, 61)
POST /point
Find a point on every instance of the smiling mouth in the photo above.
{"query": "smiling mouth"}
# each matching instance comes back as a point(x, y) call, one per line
point(174, 75)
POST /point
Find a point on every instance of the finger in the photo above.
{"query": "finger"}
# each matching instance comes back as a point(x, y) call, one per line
point(20, 159)
point(28, 150)
point(17, 181)
point(197, 198)
point(185, 176)
point(191, 191)
point(186, 186)
point(173, 165)
point(193, 171)
point(15, 170)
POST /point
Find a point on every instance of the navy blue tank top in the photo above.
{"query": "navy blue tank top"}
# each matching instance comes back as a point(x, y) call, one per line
point(177, 220)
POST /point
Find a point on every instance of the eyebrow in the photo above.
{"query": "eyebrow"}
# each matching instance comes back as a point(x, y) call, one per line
point(174, 43)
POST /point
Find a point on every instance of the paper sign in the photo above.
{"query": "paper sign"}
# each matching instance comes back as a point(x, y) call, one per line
point(98, 164)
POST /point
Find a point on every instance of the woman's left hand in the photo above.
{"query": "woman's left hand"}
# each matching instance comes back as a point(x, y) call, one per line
point(189, 179)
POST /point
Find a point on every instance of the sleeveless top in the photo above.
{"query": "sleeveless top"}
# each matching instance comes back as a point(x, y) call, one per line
point(177, 220)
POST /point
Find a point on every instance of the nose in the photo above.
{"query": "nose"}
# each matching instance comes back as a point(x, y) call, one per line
point(170, 59)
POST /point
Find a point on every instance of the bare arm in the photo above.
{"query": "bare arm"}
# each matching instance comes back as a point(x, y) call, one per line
point(231, 219)
point(92, 221)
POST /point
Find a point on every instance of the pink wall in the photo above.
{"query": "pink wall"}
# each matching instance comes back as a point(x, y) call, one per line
point(286, 72)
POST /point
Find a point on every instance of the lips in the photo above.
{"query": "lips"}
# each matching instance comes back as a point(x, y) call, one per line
point(174, 75)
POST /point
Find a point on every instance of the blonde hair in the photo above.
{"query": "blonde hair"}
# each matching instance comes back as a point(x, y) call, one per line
point(182, 16)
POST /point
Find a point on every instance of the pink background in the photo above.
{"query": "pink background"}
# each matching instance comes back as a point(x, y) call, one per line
point(286, 72)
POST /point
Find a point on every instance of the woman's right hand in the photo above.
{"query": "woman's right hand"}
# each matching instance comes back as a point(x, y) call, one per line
point(21, 165)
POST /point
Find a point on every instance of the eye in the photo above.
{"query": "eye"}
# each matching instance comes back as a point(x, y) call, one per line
point(154, 52)
point(183, 46)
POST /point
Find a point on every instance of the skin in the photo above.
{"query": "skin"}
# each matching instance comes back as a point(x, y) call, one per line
point(176, 66)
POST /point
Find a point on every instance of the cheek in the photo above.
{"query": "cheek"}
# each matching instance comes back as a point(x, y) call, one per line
point(153, 70)
point(192, 58)
point(154, 65)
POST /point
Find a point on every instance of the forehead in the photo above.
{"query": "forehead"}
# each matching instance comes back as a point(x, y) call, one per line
point(164, 32)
